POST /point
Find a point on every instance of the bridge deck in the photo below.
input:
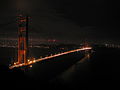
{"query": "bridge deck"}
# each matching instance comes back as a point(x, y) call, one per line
point(49, 57)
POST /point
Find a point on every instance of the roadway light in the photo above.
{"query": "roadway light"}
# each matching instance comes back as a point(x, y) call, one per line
point(14, 63)
point(31, 66)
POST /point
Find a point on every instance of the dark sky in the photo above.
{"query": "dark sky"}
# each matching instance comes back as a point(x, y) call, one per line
point(70, 20)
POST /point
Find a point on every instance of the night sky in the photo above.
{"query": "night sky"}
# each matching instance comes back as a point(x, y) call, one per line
point(68, 20)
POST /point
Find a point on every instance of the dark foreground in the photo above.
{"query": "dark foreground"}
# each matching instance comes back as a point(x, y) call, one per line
point(100, 72)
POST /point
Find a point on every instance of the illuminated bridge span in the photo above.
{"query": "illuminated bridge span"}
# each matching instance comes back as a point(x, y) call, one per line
point(30, 62)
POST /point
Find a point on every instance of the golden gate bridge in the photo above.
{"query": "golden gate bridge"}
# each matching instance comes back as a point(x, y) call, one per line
point(22, 55)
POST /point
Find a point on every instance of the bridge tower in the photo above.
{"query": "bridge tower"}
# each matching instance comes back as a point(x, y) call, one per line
point(22, 38)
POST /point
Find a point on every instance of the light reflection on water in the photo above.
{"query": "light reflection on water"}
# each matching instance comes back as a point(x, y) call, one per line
point(80, 66)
